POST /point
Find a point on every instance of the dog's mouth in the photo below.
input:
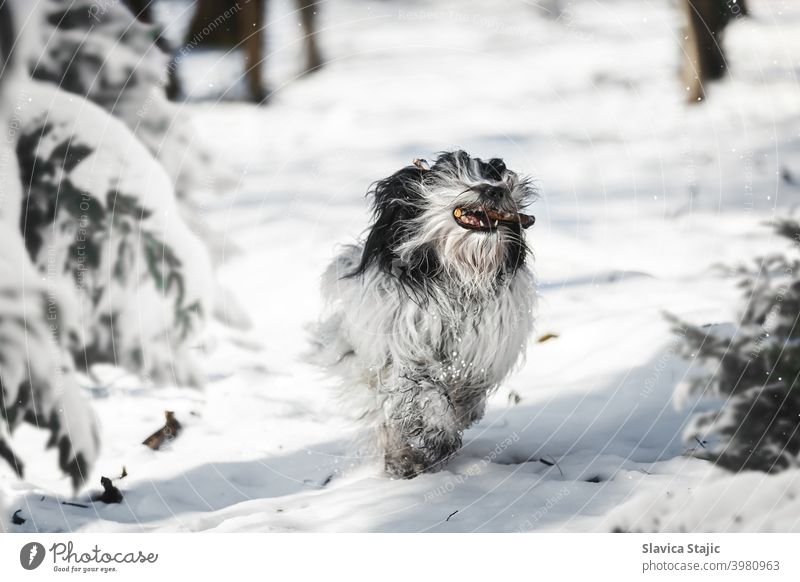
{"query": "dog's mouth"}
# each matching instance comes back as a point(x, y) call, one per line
point(488, 219)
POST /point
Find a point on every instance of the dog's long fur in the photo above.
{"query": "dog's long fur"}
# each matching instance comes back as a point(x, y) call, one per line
point(425, 317)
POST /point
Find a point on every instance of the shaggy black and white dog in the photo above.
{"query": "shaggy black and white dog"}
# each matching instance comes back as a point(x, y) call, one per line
point(433, 310)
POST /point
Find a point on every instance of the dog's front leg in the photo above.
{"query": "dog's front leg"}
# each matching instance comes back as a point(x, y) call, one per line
point(420, 431)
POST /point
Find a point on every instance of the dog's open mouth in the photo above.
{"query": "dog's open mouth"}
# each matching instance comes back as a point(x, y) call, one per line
point(488, 219)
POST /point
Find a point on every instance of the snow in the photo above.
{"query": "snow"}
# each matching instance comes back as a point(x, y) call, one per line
point(640, 197)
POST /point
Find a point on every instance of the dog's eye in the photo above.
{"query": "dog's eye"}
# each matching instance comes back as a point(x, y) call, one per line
point(497, 167)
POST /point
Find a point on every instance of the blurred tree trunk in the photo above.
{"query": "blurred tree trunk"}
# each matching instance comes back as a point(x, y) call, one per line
point(211, 27)
point(307, 18)
point(244, 27)
point(142, 9)
point(703, 53)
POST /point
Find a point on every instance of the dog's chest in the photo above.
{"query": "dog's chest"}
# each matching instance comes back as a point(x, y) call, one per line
point(475, 342)
point(480, 343)
point(469, 342)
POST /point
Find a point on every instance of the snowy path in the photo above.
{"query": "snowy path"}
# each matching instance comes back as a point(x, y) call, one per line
point(639, 198)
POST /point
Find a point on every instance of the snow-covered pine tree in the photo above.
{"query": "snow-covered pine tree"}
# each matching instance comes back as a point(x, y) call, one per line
point(756, 369)
point(37, 374)
point(99, 50)
point(102, 213)
point(37, 379)
point(96, 261)
point(102, 52)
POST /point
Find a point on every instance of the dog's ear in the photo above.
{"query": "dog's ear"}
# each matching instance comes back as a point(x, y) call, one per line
point(395, 201)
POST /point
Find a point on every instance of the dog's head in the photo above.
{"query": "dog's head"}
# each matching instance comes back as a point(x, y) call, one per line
point(460, 219)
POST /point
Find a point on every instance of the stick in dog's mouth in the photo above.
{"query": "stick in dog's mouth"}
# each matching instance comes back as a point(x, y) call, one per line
point(488, 219)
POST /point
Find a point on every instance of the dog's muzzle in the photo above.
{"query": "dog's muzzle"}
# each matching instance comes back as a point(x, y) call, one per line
point(488, 219)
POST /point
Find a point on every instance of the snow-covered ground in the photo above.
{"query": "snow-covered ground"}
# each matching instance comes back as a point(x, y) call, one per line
point(640, 198)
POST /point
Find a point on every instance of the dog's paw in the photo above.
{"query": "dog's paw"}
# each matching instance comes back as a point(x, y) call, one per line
point(405, 463)
point(408, 461)
point(421, 430)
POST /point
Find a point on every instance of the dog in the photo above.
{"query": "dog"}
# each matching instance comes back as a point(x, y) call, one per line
point(433, 310)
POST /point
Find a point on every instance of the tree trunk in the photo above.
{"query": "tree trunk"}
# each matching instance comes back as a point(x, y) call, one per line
point(703, 53)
